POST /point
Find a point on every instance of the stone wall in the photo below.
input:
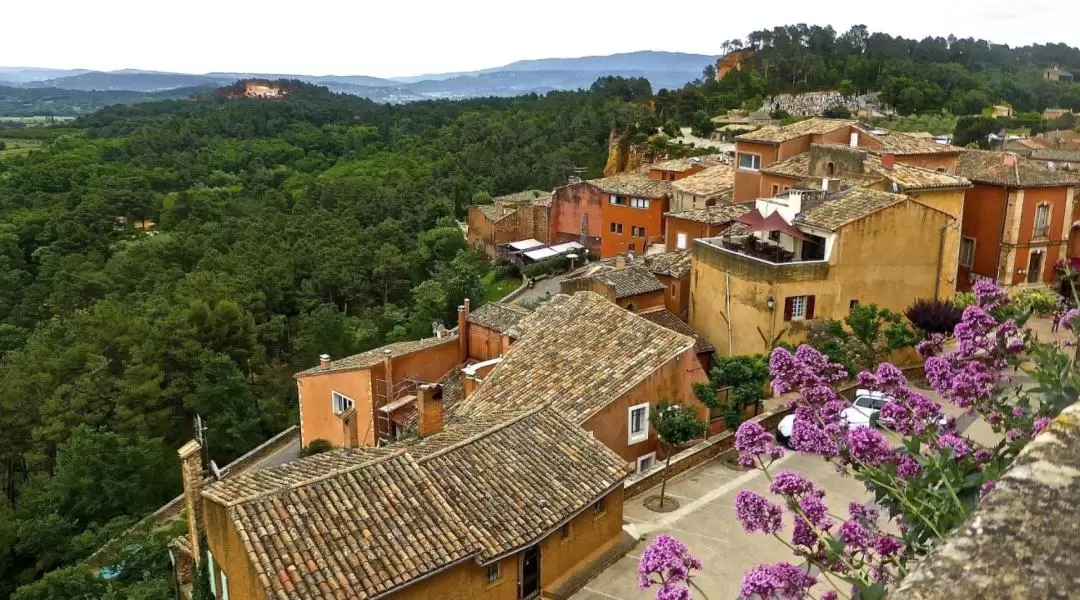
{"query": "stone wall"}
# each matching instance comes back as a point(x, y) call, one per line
point(1023, 539)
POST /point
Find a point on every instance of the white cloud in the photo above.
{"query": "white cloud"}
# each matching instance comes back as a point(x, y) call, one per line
point(423, 36)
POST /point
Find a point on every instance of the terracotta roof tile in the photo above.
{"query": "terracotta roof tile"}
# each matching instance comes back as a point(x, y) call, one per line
point(579, 353)
point(668, 320)
point(1056, 154)
point(375, 356)
point(633, 183)
point(989, 167)
point(490, 211)
point(912, 178)
point(794, 167)
point(497, 316)
point(781, 133)
point(902, 144)
point(712, 215)
point(711, 182)
point(675, 263)
point(526, 197)
point(848, 206)
point(679, 165)
point(395, 514)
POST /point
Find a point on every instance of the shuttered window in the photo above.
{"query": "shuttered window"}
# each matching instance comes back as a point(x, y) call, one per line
point(798, 308)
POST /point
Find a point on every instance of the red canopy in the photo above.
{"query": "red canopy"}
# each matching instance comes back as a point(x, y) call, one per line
point(774, 222)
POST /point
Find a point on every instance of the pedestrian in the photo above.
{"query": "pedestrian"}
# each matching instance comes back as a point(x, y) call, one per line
point(1056, 320)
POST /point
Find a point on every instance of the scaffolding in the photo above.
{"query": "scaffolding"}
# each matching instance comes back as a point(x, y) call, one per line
point(386, 400)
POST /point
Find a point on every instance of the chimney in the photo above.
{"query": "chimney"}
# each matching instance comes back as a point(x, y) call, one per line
point(888, 161)
point(500, 210)
point(629, 258)
point(854, 139)
point(324, 361)
point(620, 261)
point(192, 474)
point(468, 382)
point(834, 186)
point(463, 331)
point(388, 373)
point(348, 428)
point(429, 409)
point(1010, 160)
point(825, 184)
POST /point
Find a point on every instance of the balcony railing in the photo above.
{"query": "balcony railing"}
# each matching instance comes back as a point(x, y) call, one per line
point(762, 250)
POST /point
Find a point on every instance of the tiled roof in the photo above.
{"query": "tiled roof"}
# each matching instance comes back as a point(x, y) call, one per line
point(674, 264)
point(490, 211)
point(497, 316)
point(781, 133)
point(526, 197)
point(667, 319)
point(633, 183)
point(1056, 154)
point(911, 178)
point(989, 167)
point(407, 511)
point(794, 167)
point(848, 206)
point(902, 144)
point(374, 357)
point(453, 391)
point(711, 215)
point(580, 353)
point(679, 165)
point(711, 182)
point(630, 280)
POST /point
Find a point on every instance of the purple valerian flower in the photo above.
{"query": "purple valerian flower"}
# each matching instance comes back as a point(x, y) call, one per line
point(931, 346)
point(887, 545)
point(804, 534)
point(867, 445)
point(829, 595)
point(1040, 425)
point(1018, 412)
point(814, 509)
point(989, 296)
point(907, 467)
point(1068, 320)
point(994, 418)
point(1014, 434)
point(756, 513)
point(667, 563)
point(855, 536)
point(866, 512)
point(787, 483)
point(959, 447)
point(983, 455)
point(986, 487)
point(782, 580)
point(886, 378)
point(752, 440)
point(809, 436)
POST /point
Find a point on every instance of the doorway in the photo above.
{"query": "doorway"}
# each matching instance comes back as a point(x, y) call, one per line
point(1034, 271)
point(530, 573)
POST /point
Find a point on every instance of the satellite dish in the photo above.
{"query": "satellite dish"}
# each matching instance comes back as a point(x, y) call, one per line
point(215, 470)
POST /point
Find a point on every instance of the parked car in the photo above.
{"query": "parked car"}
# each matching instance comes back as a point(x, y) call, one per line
point(861, 413)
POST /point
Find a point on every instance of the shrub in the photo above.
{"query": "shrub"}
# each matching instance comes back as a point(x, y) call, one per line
point(934, 316)
point(1042, 302)
point(317, 446)
point(963, 300)
point(554, 264)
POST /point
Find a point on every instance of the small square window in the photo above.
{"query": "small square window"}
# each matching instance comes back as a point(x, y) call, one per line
point(637, 231)
point(341, 402)
point(598, 507)
point(639, 423)
point(749, 162)
point(494, 572)
point(644, 463)
point(853, 304)
point(564, 532)
point(639, 203)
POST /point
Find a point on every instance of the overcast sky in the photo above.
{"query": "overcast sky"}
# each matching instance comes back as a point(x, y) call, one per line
point(410, 37)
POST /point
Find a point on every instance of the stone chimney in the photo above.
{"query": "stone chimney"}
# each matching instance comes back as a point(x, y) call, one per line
point(620, 261)
point(1010, 160)
point(348, 428)
point(854, 139)
point(463, 331)
point(429, 409)
point(192, 474)
point(468, 383)
point(888, 161)
point(500, 210)
point(324, 361)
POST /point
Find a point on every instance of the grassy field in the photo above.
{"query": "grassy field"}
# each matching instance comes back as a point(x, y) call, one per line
point(15, 147)
point(496, 289)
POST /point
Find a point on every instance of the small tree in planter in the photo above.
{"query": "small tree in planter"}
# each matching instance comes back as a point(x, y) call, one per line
point(675, 425)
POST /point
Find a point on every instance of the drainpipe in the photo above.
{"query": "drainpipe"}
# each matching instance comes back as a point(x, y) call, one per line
point(940, 260)
point(727, 294)
point(1001, 236)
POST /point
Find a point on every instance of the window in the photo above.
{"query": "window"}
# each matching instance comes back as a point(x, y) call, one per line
point(967, 252)
point(774, 236)
point(639, 423)
point(224, 586)
point(210, 569)
point(852, 304)
point(749, 162)
point(620, 200)
point(775, 189)
point(674, 290)
point(644, 463)
point(1042, 220)
point(1034, 272)
point(941, 170)
point(341, 403)
point(798, 308)
point(639, 203)
point(680, 241)
point(830, 169)
point(616, 228)
point(637, 231)
point(494, 572)
point(598, 507)
point(564, 531)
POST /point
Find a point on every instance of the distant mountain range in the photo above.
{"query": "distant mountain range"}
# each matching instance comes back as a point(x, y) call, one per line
point(663, 69)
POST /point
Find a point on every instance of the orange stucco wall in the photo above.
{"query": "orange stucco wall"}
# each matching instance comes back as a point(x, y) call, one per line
point(230, 556)
point(569, 205)
point(589, 533)
point(675, 175)
point(931, 161)
point(317, 418)
point(747, 183)
point(674, 381)
point(481, 232)
point(640, 302)
point(677, 294)
point(484, 343)
point(1051, 244)
point(692, 229)
point(768, 181)
point(984, 217)
point(652, 219)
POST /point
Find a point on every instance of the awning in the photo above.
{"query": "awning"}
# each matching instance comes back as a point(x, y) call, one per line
point(774, 222)
point(528, 244)
point(752, 219)
point(567, 247)
point(541, 254)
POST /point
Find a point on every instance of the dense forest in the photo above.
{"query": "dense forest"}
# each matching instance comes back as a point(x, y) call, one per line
point(283, 229)
point(960, 76)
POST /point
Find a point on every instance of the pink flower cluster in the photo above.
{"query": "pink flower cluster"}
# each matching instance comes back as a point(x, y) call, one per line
point(667, 564)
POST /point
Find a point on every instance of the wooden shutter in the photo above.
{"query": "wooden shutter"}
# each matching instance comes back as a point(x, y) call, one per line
point(789, 304)
point(810, 307)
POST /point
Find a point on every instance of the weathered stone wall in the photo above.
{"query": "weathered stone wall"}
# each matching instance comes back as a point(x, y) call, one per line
point(843, 160)
point(1023, 540)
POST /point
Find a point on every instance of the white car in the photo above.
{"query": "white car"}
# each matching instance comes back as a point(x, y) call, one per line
point(867, 404)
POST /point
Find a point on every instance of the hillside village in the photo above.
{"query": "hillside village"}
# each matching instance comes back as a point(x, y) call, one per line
point(494, 459)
